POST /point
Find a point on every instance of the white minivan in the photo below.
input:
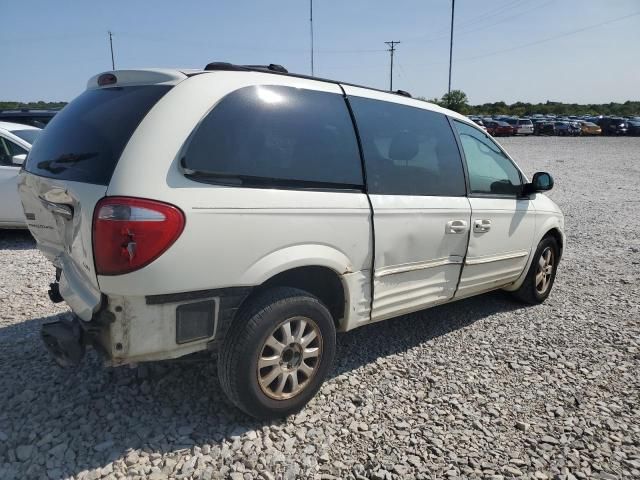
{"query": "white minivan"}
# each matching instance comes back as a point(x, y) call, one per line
point(255, 213)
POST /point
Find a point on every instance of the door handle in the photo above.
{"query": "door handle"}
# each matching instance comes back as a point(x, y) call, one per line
point(481, 226)
point(456, 226)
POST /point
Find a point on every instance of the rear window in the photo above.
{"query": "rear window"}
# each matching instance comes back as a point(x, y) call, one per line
point(276, 136)
point(85, 140)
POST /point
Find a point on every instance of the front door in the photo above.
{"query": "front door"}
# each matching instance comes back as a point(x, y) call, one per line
point(502, 222)
point(420, 212)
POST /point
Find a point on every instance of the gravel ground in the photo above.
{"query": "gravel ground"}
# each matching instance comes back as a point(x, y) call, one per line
point(483, 388)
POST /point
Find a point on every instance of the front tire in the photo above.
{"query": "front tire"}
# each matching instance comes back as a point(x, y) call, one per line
point(539, 281)
point(277, 354)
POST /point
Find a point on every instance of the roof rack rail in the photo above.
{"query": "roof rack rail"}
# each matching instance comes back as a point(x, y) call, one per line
point(272, 67)
point(280, 70)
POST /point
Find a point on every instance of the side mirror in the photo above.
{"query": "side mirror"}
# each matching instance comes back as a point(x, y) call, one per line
point(18, 160)
point(541, 182)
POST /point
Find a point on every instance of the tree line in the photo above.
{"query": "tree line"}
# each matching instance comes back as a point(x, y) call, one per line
point(457, 100)
point(40, 105)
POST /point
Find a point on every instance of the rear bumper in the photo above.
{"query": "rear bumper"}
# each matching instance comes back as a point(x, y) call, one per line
point(141, 329)
point(79, 294)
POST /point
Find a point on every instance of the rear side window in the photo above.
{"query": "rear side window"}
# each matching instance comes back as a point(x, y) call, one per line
point(408, 150)
point(275, 136)
point(85, 140)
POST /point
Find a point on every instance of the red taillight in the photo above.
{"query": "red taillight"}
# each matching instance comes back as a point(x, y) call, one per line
point(129, 233)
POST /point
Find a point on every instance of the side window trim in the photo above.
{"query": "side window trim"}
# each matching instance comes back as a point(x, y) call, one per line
point(356, 131)
point(471, 194)
point(463, 159)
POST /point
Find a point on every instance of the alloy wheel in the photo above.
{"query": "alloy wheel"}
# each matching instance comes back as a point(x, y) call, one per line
point(289, 358)
point(544, 271)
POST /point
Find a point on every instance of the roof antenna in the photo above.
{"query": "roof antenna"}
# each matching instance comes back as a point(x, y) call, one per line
point(311, 25)
point(113, 63)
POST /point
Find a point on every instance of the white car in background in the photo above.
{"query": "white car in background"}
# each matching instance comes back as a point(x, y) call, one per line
point(15, 142)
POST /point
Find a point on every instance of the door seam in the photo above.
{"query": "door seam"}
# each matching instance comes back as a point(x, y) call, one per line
point(466, 251)
point(366, 192)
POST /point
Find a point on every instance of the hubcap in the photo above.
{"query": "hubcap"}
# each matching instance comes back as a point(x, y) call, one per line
point(544, 270)
point(289, 358)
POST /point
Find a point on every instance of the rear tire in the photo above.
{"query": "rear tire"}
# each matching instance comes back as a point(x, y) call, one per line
point(278, 352)
point(539, 281)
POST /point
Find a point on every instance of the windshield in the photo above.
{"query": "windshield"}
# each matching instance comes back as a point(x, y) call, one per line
point(83, 142)
point(28, 136)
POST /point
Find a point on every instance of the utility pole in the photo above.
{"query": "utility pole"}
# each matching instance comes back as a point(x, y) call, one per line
point(453, 7)
point(311, 25)
point(113, 63)
point(392, 48)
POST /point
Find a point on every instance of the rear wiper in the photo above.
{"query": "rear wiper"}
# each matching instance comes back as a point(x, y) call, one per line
point(65, 158)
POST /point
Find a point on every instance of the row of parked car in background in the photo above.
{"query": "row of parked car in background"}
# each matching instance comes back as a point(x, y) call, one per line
point(503, 126)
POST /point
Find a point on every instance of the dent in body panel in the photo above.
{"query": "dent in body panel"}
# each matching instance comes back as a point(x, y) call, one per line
point(417, 264)
point(413, 290)
point(357, 286)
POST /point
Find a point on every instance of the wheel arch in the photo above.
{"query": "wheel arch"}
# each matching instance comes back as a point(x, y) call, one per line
point(552, 227)
point(321, 282)
point(316, 269)
point(555, 233)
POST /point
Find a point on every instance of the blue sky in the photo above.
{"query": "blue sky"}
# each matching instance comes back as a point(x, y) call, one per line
point(50, 49)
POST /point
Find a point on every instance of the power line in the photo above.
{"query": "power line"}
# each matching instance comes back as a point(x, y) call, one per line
point(453, 9)
point(490, 14)
point(504, 19)
point(442, 33)
point(392, 48)
point(401, 71)
point(113, 63)
point(248, 48)
point(548, 39)
point(540, 41)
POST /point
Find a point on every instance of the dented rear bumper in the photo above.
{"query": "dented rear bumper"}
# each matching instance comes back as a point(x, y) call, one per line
point(140, 329)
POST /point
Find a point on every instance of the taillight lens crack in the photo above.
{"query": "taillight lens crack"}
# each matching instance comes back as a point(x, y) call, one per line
point(130, 233)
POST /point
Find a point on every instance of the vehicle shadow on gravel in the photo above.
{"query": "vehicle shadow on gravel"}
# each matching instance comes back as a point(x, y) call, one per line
point(366, 344)
point(69, 421)
point(16, 240)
